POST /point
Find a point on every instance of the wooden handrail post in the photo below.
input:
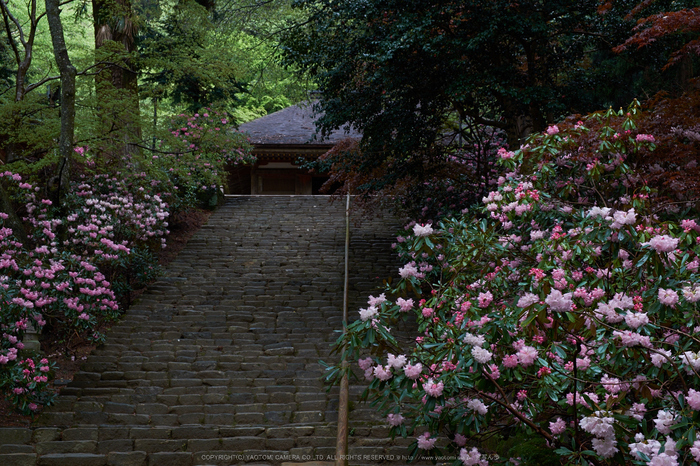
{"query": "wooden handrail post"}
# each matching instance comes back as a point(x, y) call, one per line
point(341, 449)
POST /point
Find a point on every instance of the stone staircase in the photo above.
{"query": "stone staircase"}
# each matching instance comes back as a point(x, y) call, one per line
point(218, 362)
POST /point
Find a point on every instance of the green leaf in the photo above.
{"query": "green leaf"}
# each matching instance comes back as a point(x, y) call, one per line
point(643, 260)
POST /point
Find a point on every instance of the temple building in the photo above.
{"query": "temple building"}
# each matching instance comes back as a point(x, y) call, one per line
point(281, 142)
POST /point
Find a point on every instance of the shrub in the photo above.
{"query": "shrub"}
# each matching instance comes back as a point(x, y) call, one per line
point(194, 155)
point(564, 308)
point(62, 276)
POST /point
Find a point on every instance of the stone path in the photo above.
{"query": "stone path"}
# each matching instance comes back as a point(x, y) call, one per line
point(218, 362)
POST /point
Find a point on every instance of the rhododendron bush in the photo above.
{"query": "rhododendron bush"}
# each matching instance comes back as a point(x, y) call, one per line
point(195, 153)
point(77, 266)
point(564, 308)
point(63, 277)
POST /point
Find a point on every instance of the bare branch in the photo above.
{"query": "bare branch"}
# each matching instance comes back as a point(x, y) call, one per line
point(33, 86)
point(518, 414)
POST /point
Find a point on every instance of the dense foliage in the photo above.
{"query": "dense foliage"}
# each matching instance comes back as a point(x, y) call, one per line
point(414, 81)
point(138, 64)
point(662, 25)
point(424, 188)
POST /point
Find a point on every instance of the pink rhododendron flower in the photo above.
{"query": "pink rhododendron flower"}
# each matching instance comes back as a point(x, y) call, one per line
point(405, 305)
point(607, 311)
point(611, 384)
point(369, 313)
point(551, 130)
point(693, 399)
point(664, 459)
point(478, 406)
point(692, 294)
point(660, 356)
point(645, 138)
point(495, 373)
point(528, 299)
point(432, 388)
point(518, 344)
point(382, 372)
point(648, 447)
point(505, 154)
point(695, 451)
point(689, 224)
point(397, 362)
point(559, 302)
point(663, 243)
point(425, 442)
point(599, 424)
point(582, 364)
point(422, 230)
point(481, 355)
point(637, 411)
point(376, 301)
point(636, 319)
point(692, 362)
point(365, 363)
point(485, 299)
point(621, 218)
point(605, 447)
point(413, 371)
point(474, 340)
point(557, 427)
point(527, 356)
point(599, 212)
point(664, 420)
point(668, 297)
point(510, 361)
point(395, 419)
point(471, 458)
point(628, 338)
point(409, 270)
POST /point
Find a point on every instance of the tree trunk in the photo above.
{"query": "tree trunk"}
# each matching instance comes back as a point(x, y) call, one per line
point(119, 120)
point(518, 123)
point(23, 53)
point(65, 144)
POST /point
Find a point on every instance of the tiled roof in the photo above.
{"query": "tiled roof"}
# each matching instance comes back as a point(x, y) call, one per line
point(292, 125)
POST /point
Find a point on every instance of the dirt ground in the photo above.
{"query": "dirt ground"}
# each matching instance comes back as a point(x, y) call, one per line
point(69, 360)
